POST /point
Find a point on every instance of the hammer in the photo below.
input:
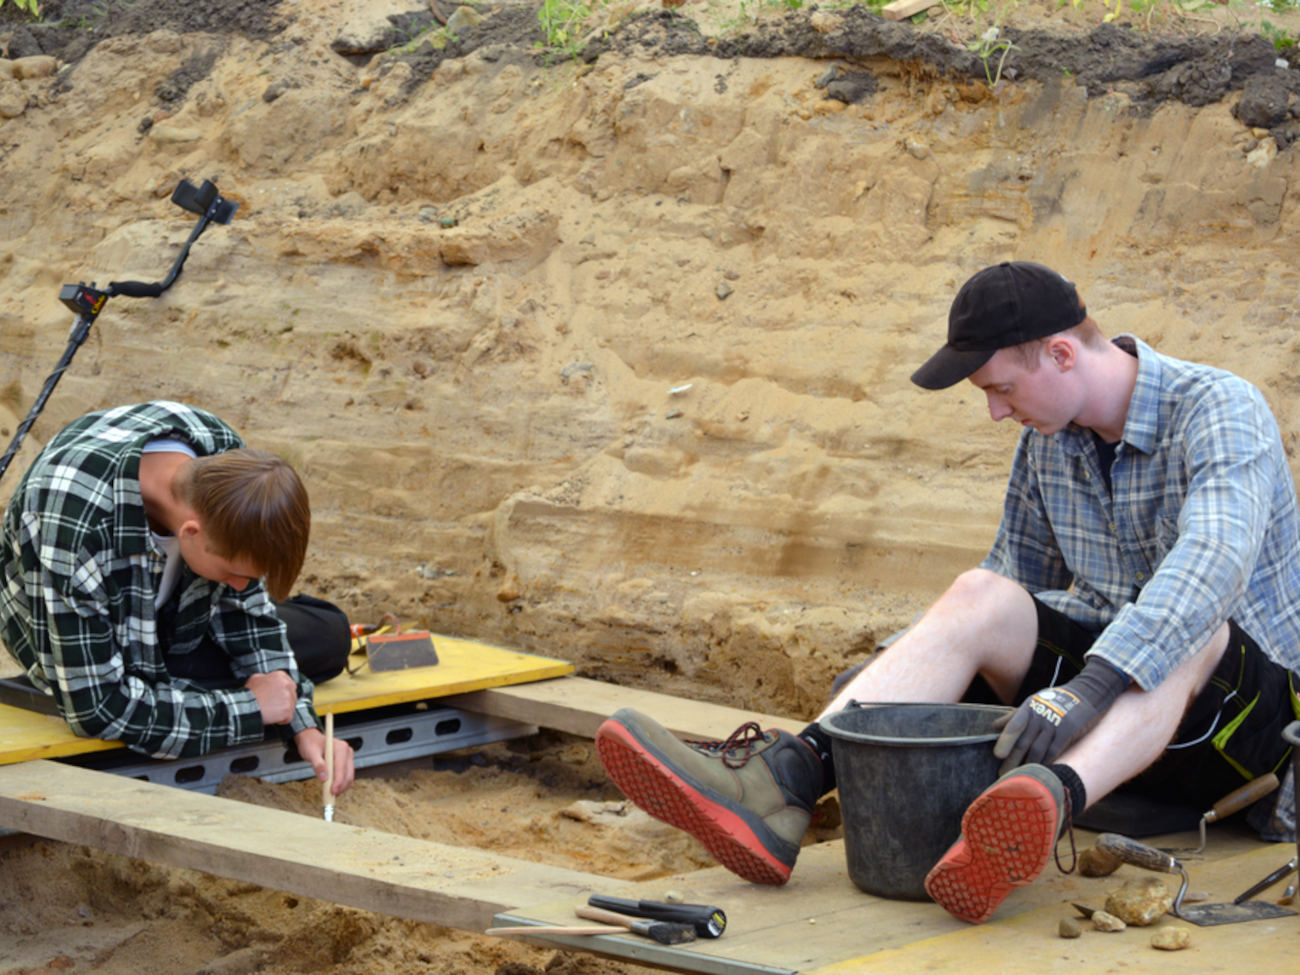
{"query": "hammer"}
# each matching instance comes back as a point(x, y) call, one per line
point(664, 932)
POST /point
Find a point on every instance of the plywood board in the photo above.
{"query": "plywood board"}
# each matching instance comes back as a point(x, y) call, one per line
point(820, 922)
point(464, 665)
point(365, 868)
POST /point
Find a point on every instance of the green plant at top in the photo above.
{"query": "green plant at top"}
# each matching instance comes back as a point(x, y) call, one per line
point(989, 46)
point(1280, 36)
point(562, 22)
point(33, 7)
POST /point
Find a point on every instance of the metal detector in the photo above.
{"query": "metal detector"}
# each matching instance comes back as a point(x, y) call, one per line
point(86, 301)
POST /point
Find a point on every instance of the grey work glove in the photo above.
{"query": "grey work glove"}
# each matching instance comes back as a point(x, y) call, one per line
point(1047, 722)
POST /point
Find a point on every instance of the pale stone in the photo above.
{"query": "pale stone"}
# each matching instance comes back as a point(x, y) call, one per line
point(35, 66)
point(1262, 154)
point(1103, 921)
point(1171, 938)
point(463, 17)
point(13, 100)
point(1069, 928)
point(174, 133)
point(824, 23)
point(1140, 901)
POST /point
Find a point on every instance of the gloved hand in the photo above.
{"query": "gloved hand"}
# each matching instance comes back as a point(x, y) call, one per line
point(1045, 724)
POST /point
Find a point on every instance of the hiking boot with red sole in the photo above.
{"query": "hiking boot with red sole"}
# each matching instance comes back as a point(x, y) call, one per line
point(748, 799)
point(1007, 837)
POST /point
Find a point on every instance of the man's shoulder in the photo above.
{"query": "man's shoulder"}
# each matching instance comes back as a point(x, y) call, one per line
point(121, 428)
point(1188, 385)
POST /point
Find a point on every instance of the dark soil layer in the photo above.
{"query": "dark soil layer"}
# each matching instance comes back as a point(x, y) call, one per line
point(1150, 67)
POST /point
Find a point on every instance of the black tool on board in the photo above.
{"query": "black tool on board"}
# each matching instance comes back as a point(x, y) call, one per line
point(709, 922)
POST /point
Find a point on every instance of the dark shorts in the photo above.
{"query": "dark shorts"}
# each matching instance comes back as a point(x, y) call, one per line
point(1232, 732)
point(318, 634)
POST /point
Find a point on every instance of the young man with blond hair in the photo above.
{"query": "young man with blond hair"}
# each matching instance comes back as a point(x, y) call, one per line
point(1140, 609)
point(139, 557)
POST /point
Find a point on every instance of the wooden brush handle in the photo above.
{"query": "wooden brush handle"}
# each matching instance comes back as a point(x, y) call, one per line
point(326, 797)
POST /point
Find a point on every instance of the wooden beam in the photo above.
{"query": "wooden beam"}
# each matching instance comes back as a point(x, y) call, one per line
point(578, 705)
point(902, 9)
point(376, 871)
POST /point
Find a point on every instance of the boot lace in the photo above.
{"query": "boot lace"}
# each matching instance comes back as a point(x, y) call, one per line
point(738, 748)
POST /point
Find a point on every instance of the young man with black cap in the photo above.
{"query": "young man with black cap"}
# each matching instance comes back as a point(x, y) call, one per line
point(1140, 608)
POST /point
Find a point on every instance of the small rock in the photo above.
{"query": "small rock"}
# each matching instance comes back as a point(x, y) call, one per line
point(463, 17)
point(1262, 154)
point(1069, 928)
point(1105, 921)
point(510, 589)
point(824, 23)
point(574, 755)
point(674, 897)
point(1141, 901)
point(35, 66)
point(13, 100)
point(175, 133)
point(723, 290)
point(1172, 937)
point(1097, 863)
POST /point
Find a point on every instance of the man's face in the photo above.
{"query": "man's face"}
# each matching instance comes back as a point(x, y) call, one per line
point(1033, 397)
point(236, 573)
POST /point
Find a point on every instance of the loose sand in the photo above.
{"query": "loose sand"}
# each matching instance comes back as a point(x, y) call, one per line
point(604, 359)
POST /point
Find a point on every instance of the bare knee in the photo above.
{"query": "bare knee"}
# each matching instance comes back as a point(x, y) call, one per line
point(984, 592)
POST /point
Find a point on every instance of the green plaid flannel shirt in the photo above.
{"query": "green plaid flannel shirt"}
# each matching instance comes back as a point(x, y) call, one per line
point(78, 574)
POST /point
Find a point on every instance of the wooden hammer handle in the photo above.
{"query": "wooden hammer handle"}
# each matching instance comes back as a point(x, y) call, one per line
point(610, 917)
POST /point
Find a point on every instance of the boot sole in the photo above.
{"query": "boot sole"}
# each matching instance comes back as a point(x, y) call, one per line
point(666, 796)
point(1007, 838)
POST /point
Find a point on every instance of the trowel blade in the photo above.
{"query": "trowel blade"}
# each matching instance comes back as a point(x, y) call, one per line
point(1206, 915)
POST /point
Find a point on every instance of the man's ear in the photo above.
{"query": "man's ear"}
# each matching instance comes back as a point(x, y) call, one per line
point(189, 528)
point(1062, 353)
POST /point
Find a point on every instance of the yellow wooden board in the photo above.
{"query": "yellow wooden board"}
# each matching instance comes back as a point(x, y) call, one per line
point(463, 665)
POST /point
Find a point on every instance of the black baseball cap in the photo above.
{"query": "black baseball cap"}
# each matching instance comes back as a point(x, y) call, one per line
point(1003, 305)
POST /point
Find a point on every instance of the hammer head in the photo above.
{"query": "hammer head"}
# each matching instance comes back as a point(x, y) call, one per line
point(664, 932)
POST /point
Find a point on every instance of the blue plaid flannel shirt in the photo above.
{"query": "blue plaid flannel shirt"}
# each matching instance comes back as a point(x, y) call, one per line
point(1200, 526)
point(78, 573)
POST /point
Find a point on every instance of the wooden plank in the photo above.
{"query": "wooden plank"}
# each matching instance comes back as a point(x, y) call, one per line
point(902, 9)
point(578, 705)
point(1026, 943)
point(820, 922)
point(464, 665)
point(376, 871)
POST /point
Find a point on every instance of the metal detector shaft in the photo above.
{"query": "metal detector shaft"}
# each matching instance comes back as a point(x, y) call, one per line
point(86, 301)
point(79, 332)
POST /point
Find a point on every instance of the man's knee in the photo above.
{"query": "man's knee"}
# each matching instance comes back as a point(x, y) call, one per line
point(984, 588)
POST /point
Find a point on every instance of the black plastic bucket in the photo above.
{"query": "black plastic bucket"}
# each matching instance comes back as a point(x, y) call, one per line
point(906, 773)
